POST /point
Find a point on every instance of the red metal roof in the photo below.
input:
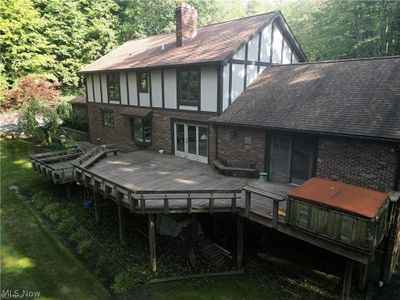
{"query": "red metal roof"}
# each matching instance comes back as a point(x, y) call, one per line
point(346, 197)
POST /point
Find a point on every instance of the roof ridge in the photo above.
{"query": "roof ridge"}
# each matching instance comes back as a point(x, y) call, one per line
point(218, 23)
point(338, 60)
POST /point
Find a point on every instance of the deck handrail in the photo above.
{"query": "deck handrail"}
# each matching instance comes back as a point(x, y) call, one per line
point(136, 199)
point(92, 152)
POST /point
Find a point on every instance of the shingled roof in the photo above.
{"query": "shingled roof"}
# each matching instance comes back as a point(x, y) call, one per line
point(348, 97)
point(213, 43)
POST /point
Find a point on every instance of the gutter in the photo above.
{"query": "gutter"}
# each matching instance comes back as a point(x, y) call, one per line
point(305, 131)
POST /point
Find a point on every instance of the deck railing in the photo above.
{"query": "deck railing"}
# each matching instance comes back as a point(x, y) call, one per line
point(94, 154)
point(141, 201)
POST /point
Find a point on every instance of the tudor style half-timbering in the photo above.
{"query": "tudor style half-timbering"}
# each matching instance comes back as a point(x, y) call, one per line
point(182, 79)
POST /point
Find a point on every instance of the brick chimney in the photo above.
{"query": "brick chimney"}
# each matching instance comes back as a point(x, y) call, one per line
point(186, 23)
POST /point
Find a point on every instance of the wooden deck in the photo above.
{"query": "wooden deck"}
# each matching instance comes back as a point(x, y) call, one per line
point(147, 170)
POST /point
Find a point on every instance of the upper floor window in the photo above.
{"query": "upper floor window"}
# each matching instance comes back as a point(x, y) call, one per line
point(189, 87)
point(141, 131)
point(107, 118)
point(114, 92)
point(143, 82)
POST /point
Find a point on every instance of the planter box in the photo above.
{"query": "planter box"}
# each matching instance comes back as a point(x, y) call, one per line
point(347, 214)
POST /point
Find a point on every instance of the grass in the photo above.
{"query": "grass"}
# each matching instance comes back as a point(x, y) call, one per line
point(221, 288)
point(32, 258)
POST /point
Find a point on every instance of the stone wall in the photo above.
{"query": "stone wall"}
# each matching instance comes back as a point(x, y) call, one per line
point(162, 134)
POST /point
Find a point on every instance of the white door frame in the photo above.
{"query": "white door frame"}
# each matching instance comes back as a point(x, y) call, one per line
point(186, 153)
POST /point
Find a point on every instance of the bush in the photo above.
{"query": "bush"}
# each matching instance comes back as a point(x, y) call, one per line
point(126, 281)
point(40, 200)
point(64, 110)
point(29, 88)
point(68, 223)
point(77, 120)
point(39, 120)
point(85, 245)
point(52, 211)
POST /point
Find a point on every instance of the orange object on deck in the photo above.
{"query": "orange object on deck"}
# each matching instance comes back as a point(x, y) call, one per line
point(346, 197)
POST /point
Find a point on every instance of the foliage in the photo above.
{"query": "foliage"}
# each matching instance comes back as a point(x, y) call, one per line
point(23, 48)
point(39, 262)
point(38, 119)
point(64, 110)
point(77, 120)
point(332, 29)
point(31, 87)
point(82, 30)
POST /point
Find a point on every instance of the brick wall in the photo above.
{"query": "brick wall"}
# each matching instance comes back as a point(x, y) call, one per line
point(366, 164)
point(241, 144)
point(120, 134)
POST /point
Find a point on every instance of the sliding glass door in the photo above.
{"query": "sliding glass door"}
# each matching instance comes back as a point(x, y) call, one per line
point(191, 141)
point(291, 158)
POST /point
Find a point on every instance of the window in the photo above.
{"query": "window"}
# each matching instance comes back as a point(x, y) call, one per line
point(141, 131)
point(189, 87)
point(107, 117)
point(143, 82)
point(291, 159)
point(114, 93)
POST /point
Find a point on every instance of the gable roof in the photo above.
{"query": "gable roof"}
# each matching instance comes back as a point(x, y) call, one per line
point(350, 97)
point(213, 43)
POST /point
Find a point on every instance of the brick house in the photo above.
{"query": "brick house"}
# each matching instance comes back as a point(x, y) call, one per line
point(243, 90)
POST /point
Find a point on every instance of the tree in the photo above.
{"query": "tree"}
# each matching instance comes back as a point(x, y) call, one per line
point(29, 88)
point(81, 31)
point(23, 49)
point(39, 120)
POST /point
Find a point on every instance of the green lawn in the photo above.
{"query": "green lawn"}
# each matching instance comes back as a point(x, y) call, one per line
point(31, 256)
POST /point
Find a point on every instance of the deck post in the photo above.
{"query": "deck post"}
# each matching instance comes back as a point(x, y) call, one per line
point(247, 197)
point(194, 227)
point(68, 188)
point(362, 277)
point(239, 242)
point(152, 243)
point(275, 209)
point(348, 271)
point(95, 201)
point(121, 218)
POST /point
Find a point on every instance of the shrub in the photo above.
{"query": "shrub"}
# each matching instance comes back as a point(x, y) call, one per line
point(64, 110)
point(52, 211)
point(77, 120)
point(85, 245)
point(29, 88)
point(39, 120)
point(68, 223)
point(126, 281)
point(80, 234)
point(40, 200)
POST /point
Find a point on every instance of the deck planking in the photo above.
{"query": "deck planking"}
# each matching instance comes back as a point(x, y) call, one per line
point(146, 170)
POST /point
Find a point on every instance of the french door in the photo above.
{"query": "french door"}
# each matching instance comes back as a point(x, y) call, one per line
point(191, 141)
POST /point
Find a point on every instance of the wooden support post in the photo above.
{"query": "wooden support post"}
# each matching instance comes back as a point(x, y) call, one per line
point(131, 202)
point(239, 242)
point(189, 204)
point(194, 227)
point(348, 271)
point(95, 204)
point(68, 188)
point(362, 277)
point(121, 218)
point(152, 243)
point(233, 204)
point(247, 197)
point(211, 203)
point(166, 205)
point(275, 208)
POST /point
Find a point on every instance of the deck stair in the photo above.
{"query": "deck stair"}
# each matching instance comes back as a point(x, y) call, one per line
point(56, 165)
point(93, 155)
